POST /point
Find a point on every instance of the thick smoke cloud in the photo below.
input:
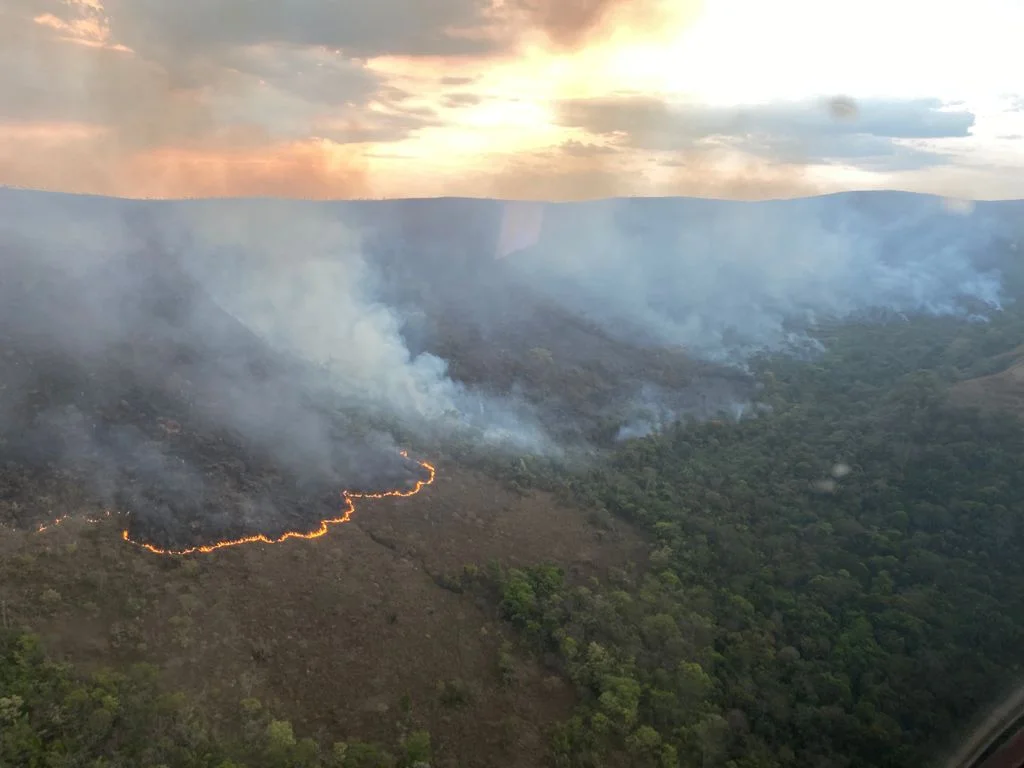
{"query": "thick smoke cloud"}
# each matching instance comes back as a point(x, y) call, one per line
point(298, 276)
point(729, 279)
point(235, 364)
point(213, 380)
point(292, 274)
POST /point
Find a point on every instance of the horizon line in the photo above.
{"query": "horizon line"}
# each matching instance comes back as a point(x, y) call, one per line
point(484, 198)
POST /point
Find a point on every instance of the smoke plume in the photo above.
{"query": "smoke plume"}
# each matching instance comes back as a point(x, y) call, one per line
point(215, 377)
point(225, 368)
point(727, 279)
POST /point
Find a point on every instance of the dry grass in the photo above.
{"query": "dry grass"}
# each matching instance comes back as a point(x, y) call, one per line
point(331, 633)
point(999, 391)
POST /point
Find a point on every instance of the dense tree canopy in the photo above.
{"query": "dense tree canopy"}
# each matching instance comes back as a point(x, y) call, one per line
point(53, 717)
point(838, 582)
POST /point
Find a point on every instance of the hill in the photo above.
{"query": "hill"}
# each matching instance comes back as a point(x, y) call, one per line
point(802, 588)
point(999, 391)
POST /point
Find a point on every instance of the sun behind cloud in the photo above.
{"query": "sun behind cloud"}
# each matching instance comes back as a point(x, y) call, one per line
point(532, 98)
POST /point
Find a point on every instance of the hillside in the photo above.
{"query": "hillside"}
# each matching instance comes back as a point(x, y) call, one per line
point(834, 582)
point(150, 425)
point(1003, 391)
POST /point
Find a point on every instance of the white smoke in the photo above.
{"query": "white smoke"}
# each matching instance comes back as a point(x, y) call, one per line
point(722, 279)
point(297, 275)
point(727, 279)
point(298, 278)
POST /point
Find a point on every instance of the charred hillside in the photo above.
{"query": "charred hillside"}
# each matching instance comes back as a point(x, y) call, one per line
point(125, 385)
point(838, 581)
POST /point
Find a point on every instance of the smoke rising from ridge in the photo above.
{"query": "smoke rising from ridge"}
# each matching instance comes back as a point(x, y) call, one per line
point(123, 370)
point(231, 365)
point(292, 275)
point(298, 277)
point(727, 280)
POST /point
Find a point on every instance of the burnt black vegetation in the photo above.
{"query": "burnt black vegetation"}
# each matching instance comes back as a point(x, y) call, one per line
point(833, 564)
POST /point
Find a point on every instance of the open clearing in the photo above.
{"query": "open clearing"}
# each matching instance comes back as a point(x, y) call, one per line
point(330, 633)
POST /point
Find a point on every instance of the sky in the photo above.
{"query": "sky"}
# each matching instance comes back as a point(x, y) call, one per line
point(526, 99)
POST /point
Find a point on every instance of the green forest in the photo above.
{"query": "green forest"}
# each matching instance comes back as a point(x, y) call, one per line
point(54, 717)
point(837, 583)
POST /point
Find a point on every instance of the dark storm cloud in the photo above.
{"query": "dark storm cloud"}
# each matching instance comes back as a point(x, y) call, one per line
point(877, 133)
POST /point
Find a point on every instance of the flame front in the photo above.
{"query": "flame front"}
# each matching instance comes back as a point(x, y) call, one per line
point(64, 518)
point(346, 515)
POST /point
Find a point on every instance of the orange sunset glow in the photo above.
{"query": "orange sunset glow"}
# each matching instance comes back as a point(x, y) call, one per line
point(531, 99)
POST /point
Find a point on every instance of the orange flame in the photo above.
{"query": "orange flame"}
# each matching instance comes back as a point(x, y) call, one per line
point(47, 526)
point(349, 508)
point(64, 518)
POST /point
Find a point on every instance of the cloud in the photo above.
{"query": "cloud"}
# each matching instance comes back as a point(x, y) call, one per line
point(315, 75)
point(456, 80)
point(568, 24)
point(168, 28)
point(586, 148)
point(376, 126)
point(46, 76)
point(185, 35)
point(565, 23)
point(457, 100)
point(77, 157)
point(147, 92)
point(83, 112)
point(878, 133)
